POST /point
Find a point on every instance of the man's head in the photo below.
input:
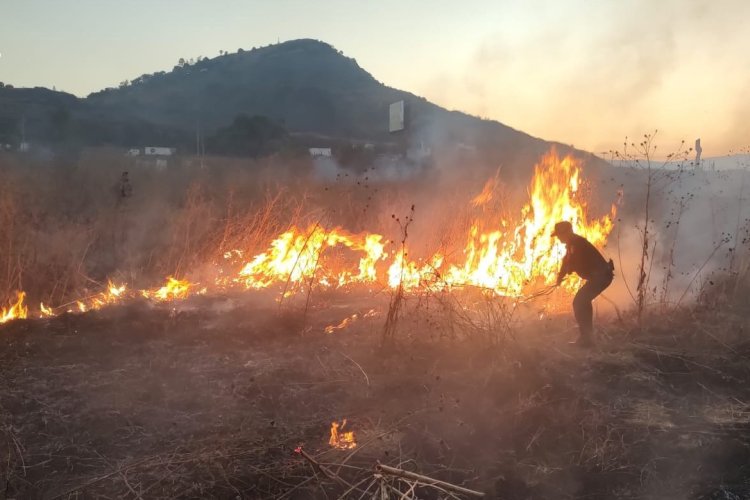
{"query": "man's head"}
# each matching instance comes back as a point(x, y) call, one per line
point(563, 231)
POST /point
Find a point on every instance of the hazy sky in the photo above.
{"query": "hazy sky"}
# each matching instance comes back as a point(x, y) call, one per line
point(586, 73)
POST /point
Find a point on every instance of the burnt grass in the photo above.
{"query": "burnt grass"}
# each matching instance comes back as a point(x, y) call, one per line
point(210, 401)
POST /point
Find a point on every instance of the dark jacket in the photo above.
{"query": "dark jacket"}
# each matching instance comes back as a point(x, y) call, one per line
point(583, 259)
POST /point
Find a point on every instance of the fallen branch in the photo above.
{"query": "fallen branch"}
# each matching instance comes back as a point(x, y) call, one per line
point(393, 471)
point(321, 468)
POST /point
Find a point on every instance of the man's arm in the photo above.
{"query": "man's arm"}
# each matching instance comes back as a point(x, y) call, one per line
point(564, 269)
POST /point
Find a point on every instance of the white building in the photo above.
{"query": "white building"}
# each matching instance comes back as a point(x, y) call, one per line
point(158, 151)
point(320, 152)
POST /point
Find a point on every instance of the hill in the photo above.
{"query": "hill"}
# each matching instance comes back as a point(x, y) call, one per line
point(306, 86)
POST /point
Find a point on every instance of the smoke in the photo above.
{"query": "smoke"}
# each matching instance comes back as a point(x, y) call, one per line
point(591, 74)
point(697, 234)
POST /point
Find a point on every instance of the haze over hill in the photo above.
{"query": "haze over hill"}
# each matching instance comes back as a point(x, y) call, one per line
point(306, 86)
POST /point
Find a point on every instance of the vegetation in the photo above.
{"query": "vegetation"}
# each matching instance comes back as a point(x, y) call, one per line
point(232, 395)
point(248, 137)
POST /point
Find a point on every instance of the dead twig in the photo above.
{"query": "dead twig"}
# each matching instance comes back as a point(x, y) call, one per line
point(322, 468)
point(400, 473)
point(367, 379)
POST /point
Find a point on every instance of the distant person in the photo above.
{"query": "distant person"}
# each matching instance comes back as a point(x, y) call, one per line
point(698, 151)
point(126, 190)
point(582, 258)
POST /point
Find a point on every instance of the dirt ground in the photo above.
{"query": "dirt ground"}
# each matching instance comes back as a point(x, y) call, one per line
point(211, 400)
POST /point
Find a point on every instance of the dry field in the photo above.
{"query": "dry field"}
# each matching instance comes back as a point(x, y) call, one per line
point(211, 399)
point(451, 390)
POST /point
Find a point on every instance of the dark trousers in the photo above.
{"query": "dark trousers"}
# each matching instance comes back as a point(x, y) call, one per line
point(582, 308)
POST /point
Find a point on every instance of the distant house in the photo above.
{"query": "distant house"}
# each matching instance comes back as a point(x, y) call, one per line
point(24, 147)
point(152, 156)
point(320, 152)
point(158, 151)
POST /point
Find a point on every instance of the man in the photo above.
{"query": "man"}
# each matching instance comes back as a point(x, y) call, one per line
point(126, 190)
point(582, 258)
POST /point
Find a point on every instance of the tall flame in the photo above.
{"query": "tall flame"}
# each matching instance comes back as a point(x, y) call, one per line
point(507, 260)
point(15, 311)
point(510, 261)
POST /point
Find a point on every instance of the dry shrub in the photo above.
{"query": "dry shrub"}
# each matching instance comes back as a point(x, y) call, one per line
point(64, 230)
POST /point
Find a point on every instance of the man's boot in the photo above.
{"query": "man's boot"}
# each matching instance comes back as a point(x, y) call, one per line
point(585, 339)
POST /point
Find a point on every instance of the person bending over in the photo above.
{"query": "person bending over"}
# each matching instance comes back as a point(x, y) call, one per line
point(582, 258)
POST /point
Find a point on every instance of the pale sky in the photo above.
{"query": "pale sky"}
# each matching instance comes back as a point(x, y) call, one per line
point(582, 72)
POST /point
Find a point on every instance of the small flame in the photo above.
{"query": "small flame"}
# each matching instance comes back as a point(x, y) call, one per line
point(340, 439)
point(346, 322)
point(15, 311)
point(351, 319)
point(45, 312)
point(173, 289)
point(111, 295)
point(487, 193)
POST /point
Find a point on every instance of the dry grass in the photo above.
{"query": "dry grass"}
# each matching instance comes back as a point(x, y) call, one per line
point(210, 398)
point(211, 402)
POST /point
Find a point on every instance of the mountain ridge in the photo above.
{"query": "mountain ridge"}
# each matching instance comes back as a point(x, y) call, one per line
point(307, 86)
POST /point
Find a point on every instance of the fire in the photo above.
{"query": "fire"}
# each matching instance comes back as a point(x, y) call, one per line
point(45, 312)
point(346, 322)
point(511, 261)
point(15, 311)
point(111, 295)
point(488, 191)
point(295, 257)
point(501, 255)
point(508, 259)
point(172, 289)
point(340, 439)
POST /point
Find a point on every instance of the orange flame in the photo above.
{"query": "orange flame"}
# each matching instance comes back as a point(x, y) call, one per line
point(295, 257)
point(508, 262)
point(172, 289)
point(111, 295)
point(346, 322)
point(15, 311)
point(339, 439)
point(45, 312)
point(487, 193)
point(509, 259)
